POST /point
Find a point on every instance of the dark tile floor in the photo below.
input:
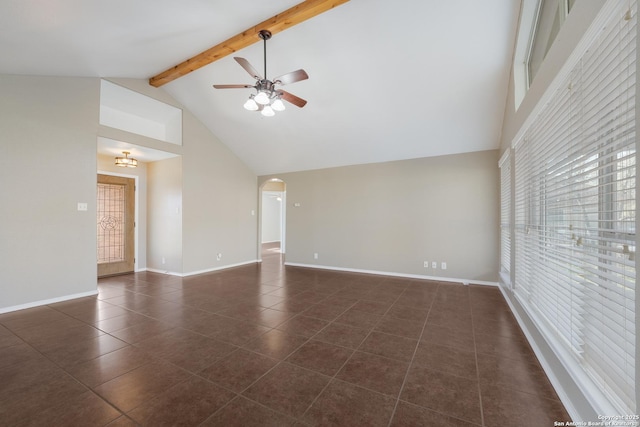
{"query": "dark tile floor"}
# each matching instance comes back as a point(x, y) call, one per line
point(266, 345)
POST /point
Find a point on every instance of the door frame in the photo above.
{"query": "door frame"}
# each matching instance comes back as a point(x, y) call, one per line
point(135, 214)
point(283, 219)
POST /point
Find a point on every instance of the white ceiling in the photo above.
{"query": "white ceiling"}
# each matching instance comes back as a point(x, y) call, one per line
point(389, 79)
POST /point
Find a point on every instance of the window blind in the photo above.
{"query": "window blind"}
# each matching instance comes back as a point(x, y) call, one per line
point(505, 215)
point(574, 203)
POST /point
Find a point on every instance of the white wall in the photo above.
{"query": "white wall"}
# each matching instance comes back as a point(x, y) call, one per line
point(391, 217)
point(219, 194)
point(220, 203)
point(164, 215)
point(47, 165)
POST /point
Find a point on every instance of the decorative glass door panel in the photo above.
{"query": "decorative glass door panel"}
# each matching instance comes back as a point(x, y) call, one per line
point(115, 225)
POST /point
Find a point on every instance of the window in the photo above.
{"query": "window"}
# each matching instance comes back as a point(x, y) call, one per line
point(540, 23)
point(111, 231)
point(133, 112)
point(551, 17)
point(574, 214)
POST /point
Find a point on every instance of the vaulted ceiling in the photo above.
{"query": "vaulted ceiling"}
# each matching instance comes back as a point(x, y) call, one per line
point(389, 80)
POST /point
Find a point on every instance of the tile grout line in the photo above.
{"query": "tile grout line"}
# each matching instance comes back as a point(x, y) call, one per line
point(353, 351)
point(67, 373)
point(153, 358)
point(415, 350)
point(300, 419)
point(280, 362)
point(315, 283)
point(475, 352)
point(239, 394)
point(197, 374)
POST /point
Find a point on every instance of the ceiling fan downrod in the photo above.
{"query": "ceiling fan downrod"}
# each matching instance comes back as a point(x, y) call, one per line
point(265, 35)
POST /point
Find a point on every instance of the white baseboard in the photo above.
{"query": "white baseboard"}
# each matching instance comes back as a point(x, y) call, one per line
point(208, 270)
point(394, 274)
point(156, 270)
point(47, 301)
point(224, 267)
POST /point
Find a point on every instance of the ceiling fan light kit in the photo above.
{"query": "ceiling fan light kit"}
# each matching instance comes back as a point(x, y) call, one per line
point(268, 98)
point(278, 105)
point(267, 111)
point(251, 104)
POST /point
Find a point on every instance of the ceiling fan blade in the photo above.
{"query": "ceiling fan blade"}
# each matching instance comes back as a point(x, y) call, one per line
point(289, 97)
point(292, 77)
point(248, 67)
point(232, 86)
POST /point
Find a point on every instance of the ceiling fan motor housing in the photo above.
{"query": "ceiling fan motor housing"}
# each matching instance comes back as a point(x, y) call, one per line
point(264, 85)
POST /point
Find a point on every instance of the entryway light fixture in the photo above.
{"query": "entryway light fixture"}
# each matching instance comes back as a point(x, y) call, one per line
point(126, 161)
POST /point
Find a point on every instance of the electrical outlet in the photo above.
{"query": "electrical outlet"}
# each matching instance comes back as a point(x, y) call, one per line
point(163, 261)
point(434, 264)
point(219, 257)
point(443, 265)
point(315, 255)
point(426, 264)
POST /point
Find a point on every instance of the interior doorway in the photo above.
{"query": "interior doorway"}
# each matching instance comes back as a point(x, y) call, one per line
point(115, 225)
point(273, 217)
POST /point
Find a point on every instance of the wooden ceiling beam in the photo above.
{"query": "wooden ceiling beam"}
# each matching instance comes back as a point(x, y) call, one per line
point(280, 22)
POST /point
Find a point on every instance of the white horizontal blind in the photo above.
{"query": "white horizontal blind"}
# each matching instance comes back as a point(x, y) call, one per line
point(575, 213)
point(523, 203)
point(505, 213)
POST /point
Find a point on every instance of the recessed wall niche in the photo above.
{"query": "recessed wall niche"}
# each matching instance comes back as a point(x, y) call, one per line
point(133, 112)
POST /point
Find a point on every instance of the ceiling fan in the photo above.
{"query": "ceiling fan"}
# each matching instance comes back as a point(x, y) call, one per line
point(268, 98)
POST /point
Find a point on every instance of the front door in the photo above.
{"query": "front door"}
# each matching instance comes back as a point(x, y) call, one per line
point(115, 225)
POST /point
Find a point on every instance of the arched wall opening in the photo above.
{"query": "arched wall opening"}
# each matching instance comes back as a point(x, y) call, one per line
point(272, 217)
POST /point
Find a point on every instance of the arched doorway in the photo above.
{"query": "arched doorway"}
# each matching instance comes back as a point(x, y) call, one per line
point(272, 225)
